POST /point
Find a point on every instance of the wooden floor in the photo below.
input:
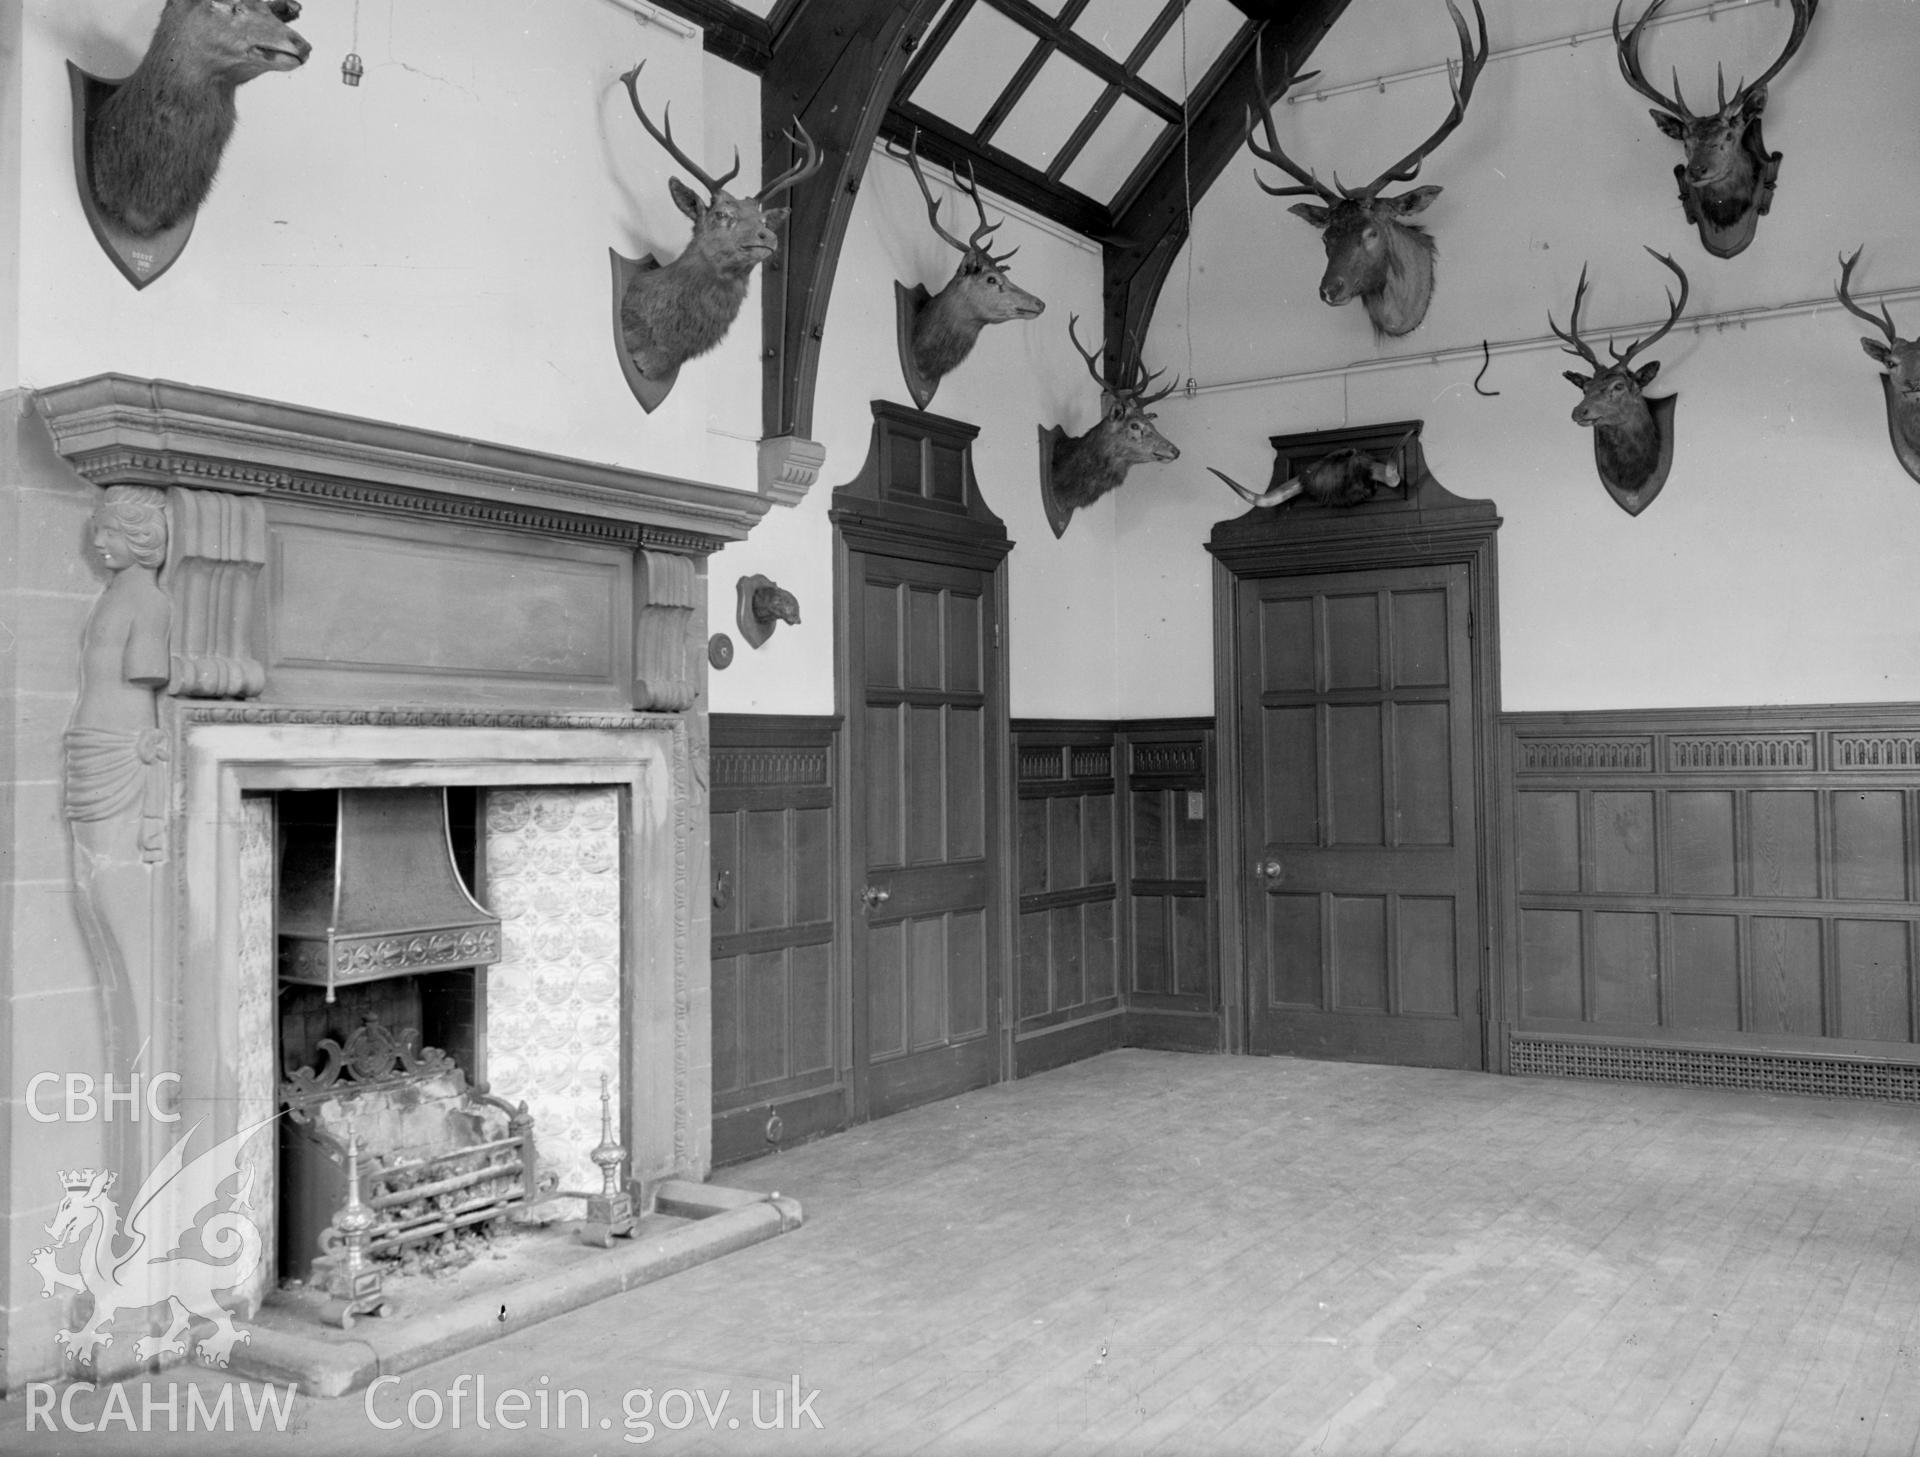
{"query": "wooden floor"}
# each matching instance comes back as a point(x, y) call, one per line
point(1156, 1253)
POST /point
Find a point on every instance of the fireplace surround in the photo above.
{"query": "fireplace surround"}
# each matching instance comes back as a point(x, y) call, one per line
point(348, 603)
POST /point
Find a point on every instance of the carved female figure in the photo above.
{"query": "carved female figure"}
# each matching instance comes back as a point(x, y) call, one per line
point(116, 774)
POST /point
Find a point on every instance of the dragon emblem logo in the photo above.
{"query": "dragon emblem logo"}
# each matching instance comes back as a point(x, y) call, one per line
point(139, 1268)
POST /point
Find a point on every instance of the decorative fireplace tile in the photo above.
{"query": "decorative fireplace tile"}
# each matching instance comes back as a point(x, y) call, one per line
point(553, 1001)
point(255, 1076)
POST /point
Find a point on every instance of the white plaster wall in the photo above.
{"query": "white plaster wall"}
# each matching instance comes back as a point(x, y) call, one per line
point(1019, 377)
point(10, 34)
point(429, 247)
point(1775, 567)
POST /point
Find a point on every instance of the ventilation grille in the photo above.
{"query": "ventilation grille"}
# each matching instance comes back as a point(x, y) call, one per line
point(1693, 1067)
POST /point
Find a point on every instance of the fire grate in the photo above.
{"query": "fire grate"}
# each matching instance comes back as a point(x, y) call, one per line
point(435, 1155)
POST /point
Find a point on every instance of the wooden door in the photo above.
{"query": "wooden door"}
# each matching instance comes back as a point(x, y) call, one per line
point(926, 757)
point(1360, 827)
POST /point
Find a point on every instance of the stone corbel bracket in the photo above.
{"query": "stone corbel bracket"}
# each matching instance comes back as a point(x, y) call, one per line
point(217, 546)
point(789, 465)
point(667, 591)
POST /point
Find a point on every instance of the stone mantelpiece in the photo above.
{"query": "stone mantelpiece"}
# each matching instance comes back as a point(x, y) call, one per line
point(359, 602)
point(115, 429)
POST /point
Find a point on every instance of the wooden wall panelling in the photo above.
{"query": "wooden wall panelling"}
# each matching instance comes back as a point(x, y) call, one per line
point(1736, 890)
point(779, 1048)
point(1068, 987)
point(1172, 963)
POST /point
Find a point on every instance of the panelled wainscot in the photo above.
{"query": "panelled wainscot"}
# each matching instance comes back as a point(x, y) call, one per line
point(1729, 897)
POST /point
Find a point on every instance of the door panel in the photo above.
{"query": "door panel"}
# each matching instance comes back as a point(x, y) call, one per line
point(925, 897)
point(1361, 836)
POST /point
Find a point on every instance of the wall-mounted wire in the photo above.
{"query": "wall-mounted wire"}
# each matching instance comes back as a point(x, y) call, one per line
point(1571, 42)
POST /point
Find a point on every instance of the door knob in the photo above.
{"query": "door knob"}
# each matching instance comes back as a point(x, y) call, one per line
point(875, 897)
point(1270, 869)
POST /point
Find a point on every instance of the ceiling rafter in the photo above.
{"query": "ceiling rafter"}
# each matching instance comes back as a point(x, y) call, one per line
point(849, 70)
point(1139, 250)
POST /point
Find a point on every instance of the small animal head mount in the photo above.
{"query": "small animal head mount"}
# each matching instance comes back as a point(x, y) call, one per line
point(764, 605)
point(1375, 253)
point(1078, 470)
point(1900, 360)
point(1727, 181)
point(1632, 435)
point(938, 332)
point(670, 313)
point(150, 146)
point(1342, 478)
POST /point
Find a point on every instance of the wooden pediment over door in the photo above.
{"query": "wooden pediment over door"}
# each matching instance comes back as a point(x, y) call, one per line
point(1418, 505)
point(917, 487)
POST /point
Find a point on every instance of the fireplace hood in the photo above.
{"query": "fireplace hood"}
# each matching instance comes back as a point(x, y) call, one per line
point(380, 896)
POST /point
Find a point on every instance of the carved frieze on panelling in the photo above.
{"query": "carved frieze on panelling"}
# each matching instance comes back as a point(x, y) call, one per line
point(738, 768)
point(1585, 755)
point(1049, 763)
point(1740, 751)
point(1168, 759)
point(1061, 764)
point(218, 544)
point(1090, 763)
point(1875, 751)
point(666, 592)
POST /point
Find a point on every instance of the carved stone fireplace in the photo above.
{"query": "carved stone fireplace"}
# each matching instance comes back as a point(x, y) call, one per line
point(352, 604)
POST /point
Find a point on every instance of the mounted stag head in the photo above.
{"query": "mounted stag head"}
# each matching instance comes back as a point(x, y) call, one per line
point(154, 144)
point(1344, 477)
point(1632, 435)
point(670, 313)
point(1900, 358)
point(1726, 183)
point(1374, 253)
point(1078, 470)
point(938, 332)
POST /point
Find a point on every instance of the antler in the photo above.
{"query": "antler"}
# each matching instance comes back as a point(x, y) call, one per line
point(1885, 321)
point(1087, 354)
point(1673, 317)
point(972, 189)
point(1272, 155)
point(1627, 51)
point(1471, 64)
point(1136, 391)
point(1802, 17)
point(665, 139)
point(809, 163)
point(1579, 344)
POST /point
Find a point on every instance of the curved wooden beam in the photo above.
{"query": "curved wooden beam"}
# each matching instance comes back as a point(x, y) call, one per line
point(836, 68)
point(1147, 234)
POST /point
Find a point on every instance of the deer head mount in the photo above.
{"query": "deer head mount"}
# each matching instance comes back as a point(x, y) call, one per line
point(666, 314)
point(1727, 181)
point(1632, 435)
point(1077, 470)
point(763, 605)
point(148, 148)
point(937, 332)
point(1374, 252)
point(1342, 478)
point(1900, 360)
